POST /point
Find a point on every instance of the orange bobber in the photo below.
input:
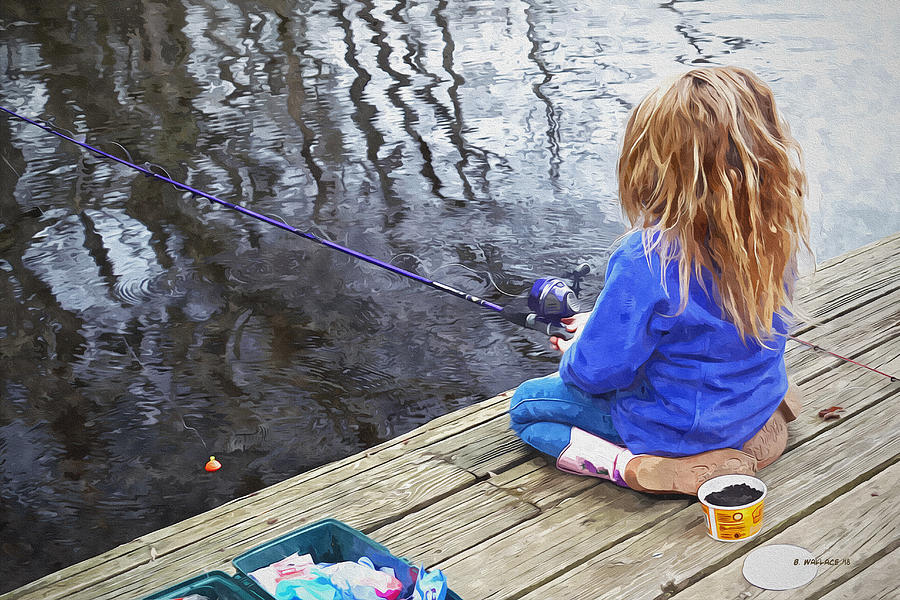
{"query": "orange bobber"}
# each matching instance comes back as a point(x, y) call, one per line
point(213, 464)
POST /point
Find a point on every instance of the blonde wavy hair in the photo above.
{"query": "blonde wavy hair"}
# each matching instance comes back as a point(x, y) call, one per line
point(712, 175)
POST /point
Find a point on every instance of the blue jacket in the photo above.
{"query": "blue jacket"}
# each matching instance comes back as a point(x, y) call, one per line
point(682, 384)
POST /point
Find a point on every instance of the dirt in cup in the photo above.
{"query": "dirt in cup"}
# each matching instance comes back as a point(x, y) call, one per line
point(734, 495)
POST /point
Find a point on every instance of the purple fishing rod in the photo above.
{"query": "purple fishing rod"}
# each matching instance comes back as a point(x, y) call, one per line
point(529, 320)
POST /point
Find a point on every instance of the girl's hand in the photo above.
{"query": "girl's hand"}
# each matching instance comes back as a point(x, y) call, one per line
point(573, 324)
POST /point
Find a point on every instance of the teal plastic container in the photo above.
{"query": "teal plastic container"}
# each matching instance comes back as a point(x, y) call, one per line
point(328, 541)
point(214, 585)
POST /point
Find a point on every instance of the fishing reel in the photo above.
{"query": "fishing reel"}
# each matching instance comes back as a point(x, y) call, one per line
point(551, 300)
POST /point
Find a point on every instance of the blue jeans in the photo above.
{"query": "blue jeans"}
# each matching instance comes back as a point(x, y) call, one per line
point(543, 411)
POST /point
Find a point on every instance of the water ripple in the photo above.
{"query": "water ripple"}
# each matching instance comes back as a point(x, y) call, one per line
point(483, 133)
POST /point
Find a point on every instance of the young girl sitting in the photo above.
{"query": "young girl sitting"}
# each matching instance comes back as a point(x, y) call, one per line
point(678, 375)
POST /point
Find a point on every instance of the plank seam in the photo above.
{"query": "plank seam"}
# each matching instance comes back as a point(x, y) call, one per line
point(373, 525)
point(865, 249)
point(812, 323)
point(560, 572)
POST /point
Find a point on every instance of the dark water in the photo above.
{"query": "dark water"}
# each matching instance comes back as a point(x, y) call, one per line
point(142, 331)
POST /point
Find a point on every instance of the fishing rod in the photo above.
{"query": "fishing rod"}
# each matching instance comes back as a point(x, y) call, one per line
point(549, 301)
point(893, 378)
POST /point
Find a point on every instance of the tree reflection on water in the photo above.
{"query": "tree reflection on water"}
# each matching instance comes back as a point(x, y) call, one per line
point(142, 331)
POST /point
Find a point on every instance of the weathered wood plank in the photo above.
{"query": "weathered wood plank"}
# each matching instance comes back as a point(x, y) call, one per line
point(485, 448)
point(541, 484)
point(876, 323)
point(841, 285)
point(871, 258)
point(364, 503)
point(848, 386)
point(455, 523)
point(882, 248)
point(538, 482)
point(850, 279)
point(860, 526)
point(555, 541)
point(807, 478)
point(878, 582)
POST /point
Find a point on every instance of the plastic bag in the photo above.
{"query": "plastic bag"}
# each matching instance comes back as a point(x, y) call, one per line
point(362, 581)
point(297, 577)
point(430, 585)
point(319, 588)
point(290, 567)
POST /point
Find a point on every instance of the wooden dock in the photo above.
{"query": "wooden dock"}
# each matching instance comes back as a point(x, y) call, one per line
point(463, 494)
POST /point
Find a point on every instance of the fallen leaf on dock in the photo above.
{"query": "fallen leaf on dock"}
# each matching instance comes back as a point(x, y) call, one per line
point(834, 412)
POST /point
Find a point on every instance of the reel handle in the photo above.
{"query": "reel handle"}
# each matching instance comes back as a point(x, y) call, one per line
point(580, 272)
point(533, 321)
point(551, 329)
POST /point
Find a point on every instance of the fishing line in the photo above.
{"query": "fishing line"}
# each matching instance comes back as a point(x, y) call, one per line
point(195, 431)
point(174, 404)
point(124, 149)
point(428, 272)
point(151, 165)
point(11, 167)
point(51, 122)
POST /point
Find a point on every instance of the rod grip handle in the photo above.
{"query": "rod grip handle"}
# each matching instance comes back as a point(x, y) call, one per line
point(532, 321)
